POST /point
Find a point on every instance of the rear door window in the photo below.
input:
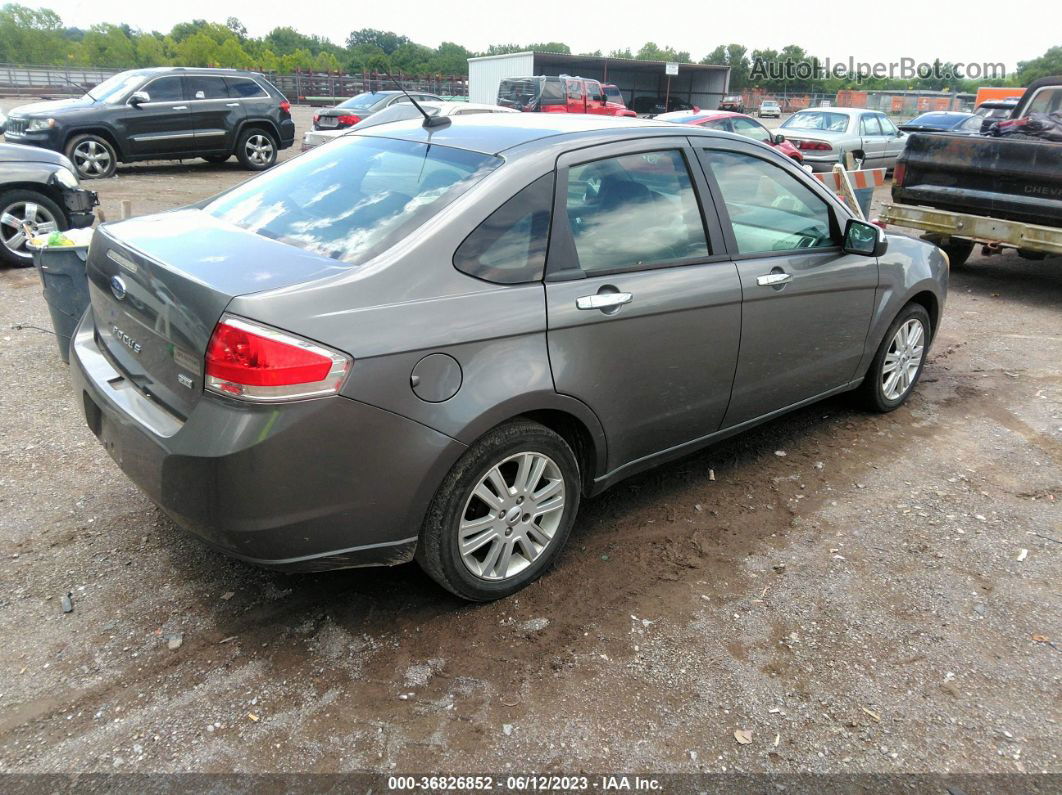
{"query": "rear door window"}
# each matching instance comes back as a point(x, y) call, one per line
point(633, 212)
point(869, 125)
point(510, 246)
point(206, 87)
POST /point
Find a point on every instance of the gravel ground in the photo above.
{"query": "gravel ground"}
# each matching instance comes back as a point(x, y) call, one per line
point(858, 592)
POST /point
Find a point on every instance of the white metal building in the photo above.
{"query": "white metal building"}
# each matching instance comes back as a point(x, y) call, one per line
point(699, 84)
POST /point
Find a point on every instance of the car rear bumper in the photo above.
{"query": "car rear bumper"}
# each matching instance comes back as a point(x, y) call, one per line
point(287, 133)
point(819, 163)
point(303, 486)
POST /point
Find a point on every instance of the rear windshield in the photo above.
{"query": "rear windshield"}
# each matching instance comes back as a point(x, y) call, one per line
point(362, 101)
point(818, 120)
point(354, 198)
point(943, 120)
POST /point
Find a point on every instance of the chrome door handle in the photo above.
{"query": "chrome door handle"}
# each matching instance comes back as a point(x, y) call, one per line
point(179, 107)
point(773, 279)
point(603, 300)
point(232, 104)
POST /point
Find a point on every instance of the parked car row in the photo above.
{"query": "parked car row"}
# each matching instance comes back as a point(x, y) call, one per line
point(736, 123)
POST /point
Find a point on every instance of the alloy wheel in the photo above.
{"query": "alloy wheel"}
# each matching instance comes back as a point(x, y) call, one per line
point(903, 359)
point(21, 221)
point(92, 158)
point(511, 516)
point(259, 150)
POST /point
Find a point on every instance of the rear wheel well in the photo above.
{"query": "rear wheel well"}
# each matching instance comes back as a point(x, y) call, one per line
point(578, 437)
point(260, 124)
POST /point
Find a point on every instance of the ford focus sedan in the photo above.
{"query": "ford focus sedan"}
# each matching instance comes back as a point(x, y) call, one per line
point(433, 342)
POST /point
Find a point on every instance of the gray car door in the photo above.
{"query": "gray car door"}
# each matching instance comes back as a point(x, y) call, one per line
point(875, 141)
point(643, 305)
point(807, 305)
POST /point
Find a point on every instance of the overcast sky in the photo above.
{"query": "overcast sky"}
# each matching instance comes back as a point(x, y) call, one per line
point(952, 30)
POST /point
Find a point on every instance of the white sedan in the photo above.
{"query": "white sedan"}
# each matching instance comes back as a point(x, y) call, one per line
point(401, 112)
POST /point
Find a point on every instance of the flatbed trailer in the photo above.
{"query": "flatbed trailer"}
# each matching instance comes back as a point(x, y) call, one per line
point(945, 226)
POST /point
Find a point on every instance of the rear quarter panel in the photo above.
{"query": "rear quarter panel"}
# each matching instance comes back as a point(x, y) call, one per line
point(410, 302)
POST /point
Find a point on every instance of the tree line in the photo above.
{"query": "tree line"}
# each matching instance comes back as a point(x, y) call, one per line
point(38, 37)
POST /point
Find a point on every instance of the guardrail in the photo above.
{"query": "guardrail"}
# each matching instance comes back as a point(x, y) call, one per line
point(300, 87)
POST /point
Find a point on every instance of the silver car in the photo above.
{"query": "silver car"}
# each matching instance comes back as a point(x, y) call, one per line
point(825, 135)
point(402, 111)
point(770, 108)
point(432, 341)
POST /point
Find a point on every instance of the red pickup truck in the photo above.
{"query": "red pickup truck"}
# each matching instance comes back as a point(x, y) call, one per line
point(562, 94)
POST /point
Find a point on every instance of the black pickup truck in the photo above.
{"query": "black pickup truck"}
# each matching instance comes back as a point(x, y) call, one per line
point(999, 189)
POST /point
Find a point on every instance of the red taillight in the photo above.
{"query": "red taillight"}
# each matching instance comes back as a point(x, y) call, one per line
point(350, 120)
point(899, 171)
point(813, 146)
point(286, 107)
point(316, 117)
point(254, 362)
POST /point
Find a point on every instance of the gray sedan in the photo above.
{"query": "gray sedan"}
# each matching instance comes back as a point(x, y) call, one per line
point(824, 135)
point(433, 342)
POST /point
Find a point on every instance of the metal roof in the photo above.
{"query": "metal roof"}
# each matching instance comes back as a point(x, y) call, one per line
point(601, 62)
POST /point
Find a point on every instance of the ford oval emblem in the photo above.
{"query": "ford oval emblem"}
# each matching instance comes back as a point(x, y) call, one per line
point(118, 287)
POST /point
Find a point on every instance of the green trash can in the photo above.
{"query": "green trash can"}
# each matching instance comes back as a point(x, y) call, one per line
point(62, 273)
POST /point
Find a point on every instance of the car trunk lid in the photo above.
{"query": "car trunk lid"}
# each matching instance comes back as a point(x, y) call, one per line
point(159, 284)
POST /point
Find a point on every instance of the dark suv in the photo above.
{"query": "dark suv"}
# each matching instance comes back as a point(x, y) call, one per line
point(164, 113)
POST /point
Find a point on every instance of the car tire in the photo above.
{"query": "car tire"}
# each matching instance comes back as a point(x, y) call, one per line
point(256, 149)
point(15, 204)
point(92, 155)
point(216, 158)
point(898, 364)
point(958, 252)
point(507, 546)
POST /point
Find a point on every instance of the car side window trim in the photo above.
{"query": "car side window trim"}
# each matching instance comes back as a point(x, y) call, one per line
point(839, 214)
point(562, 252)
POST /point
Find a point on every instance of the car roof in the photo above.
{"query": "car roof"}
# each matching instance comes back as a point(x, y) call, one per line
point(943, 113)
point(699, 116)
point(845, 111)
point(206, 70)
point(494, 133)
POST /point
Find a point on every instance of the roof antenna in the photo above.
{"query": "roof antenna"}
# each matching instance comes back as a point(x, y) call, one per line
point(429, 121)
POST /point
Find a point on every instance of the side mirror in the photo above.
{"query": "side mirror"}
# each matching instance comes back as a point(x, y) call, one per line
point(779, 139)
point(139, 97)
point(601, 98)
point(864, 239)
